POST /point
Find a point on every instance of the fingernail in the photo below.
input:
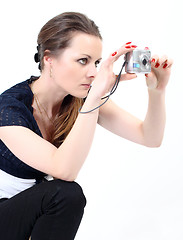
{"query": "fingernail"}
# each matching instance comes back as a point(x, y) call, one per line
point(134, 46)
point(153, 60)
point(128, 43)
point(114, 54)
point(146, 74)
point(146, 48)
point(157, 65)
point(127, 46)
point(165, 65)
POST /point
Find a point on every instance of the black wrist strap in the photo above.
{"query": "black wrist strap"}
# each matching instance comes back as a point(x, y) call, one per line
point(108, 96)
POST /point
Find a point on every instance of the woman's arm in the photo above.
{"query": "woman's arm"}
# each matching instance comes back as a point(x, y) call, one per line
point(150, 131)
point(66, 161)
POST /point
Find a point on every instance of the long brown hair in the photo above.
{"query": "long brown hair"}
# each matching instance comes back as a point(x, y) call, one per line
point(55, 36)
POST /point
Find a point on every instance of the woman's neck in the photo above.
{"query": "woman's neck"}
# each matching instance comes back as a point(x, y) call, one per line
point(48, 95)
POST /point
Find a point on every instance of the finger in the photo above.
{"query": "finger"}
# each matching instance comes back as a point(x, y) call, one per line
point(127, 76)
point(151, 82)
point(128, 43)
point(169, 63)
point(163, 62)
point(128, 47)
point(155, 61)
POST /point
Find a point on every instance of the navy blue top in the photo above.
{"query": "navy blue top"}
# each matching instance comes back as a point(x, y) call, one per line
point(16, 110)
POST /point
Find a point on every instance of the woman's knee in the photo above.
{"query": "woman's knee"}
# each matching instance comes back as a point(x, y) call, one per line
point(68, 193)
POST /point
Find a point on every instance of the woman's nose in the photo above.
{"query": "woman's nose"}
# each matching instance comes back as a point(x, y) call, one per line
point(92, 71)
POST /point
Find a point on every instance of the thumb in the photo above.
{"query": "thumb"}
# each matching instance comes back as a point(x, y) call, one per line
point(127, 76)
point(151, 81)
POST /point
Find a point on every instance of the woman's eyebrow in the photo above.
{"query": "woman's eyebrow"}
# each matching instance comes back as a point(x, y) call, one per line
point(91, 57)
point(87, 55)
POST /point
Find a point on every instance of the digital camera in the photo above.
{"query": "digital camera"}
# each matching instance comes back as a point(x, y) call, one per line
point(138, 61)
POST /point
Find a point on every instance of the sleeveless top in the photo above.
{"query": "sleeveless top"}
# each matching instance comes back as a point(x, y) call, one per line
point(16, 110)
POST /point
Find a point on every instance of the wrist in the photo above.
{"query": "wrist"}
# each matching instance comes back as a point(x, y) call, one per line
point(93, 94)
point(91, 103)
point(156, 91)
point(156, 95)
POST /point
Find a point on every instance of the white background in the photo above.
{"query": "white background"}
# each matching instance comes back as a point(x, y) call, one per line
point(133, 192)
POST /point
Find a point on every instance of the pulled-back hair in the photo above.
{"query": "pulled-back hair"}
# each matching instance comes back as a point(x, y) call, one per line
point(57, 33)
point(55, 36)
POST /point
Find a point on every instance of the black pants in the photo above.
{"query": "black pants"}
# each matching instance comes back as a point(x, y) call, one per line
point(48, 211)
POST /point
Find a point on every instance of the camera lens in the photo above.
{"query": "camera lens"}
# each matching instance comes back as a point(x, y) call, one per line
point(144, 61)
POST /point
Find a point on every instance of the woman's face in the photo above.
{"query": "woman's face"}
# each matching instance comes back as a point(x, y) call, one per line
point(74, 69)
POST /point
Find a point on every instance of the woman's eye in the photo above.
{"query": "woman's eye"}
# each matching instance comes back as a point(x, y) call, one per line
point(83, 61)
point(97, 63)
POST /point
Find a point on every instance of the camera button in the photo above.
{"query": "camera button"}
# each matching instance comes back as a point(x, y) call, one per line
point(136, 65)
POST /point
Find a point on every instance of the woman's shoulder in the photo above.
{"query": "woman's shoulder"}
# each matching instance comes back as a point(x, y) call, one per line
point(19, 94)
point(16, 105)
point(20, 91)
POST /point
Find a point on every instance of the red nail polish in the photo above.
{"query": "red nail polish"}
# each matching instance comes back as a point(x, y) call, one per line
point(134, 46)
point(128, 43)
point(114, 54)
point(157, 65)
point(146, 74)
point(165, 65)
point(153, 60)
point(127, 46)
point(146, 48)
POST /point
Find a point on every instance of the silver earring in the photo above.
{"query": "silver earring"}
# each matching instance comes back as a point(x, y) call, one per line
point(51, 72)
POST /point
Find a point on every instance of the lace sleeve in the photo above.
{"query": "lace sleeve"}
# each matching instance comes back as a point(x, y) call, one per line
point(12, 112)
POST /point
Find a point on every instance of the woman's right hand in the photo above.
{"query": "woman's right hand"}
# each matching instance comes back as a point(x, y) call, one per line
point(105, 77)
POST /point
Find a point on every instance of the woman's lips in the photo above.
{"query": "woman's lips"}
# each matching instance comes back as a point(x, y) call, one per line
point(86, 85)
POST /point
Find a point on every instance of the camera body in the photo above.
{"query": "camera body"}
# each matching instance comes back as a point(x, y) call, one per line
point(138, 61)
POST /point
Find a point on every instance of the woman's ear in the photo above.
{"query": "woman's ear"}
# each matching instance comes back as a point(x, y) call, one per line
point(47, 57)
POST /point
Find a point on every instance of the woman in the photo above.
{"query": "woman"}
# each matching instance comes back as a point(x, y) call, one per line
point(44, 130)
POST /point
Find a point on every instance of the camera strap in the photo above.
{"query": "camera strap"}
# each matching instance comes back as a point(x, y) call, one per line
point(110, 93)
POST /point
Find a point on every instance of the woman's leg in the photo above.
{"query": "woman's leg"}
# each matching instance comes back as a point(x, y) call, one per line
point(48, 211)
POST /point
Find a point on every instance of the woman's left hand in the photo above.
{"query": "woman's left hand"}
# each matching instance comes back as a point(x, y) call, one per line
point(159, 76)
